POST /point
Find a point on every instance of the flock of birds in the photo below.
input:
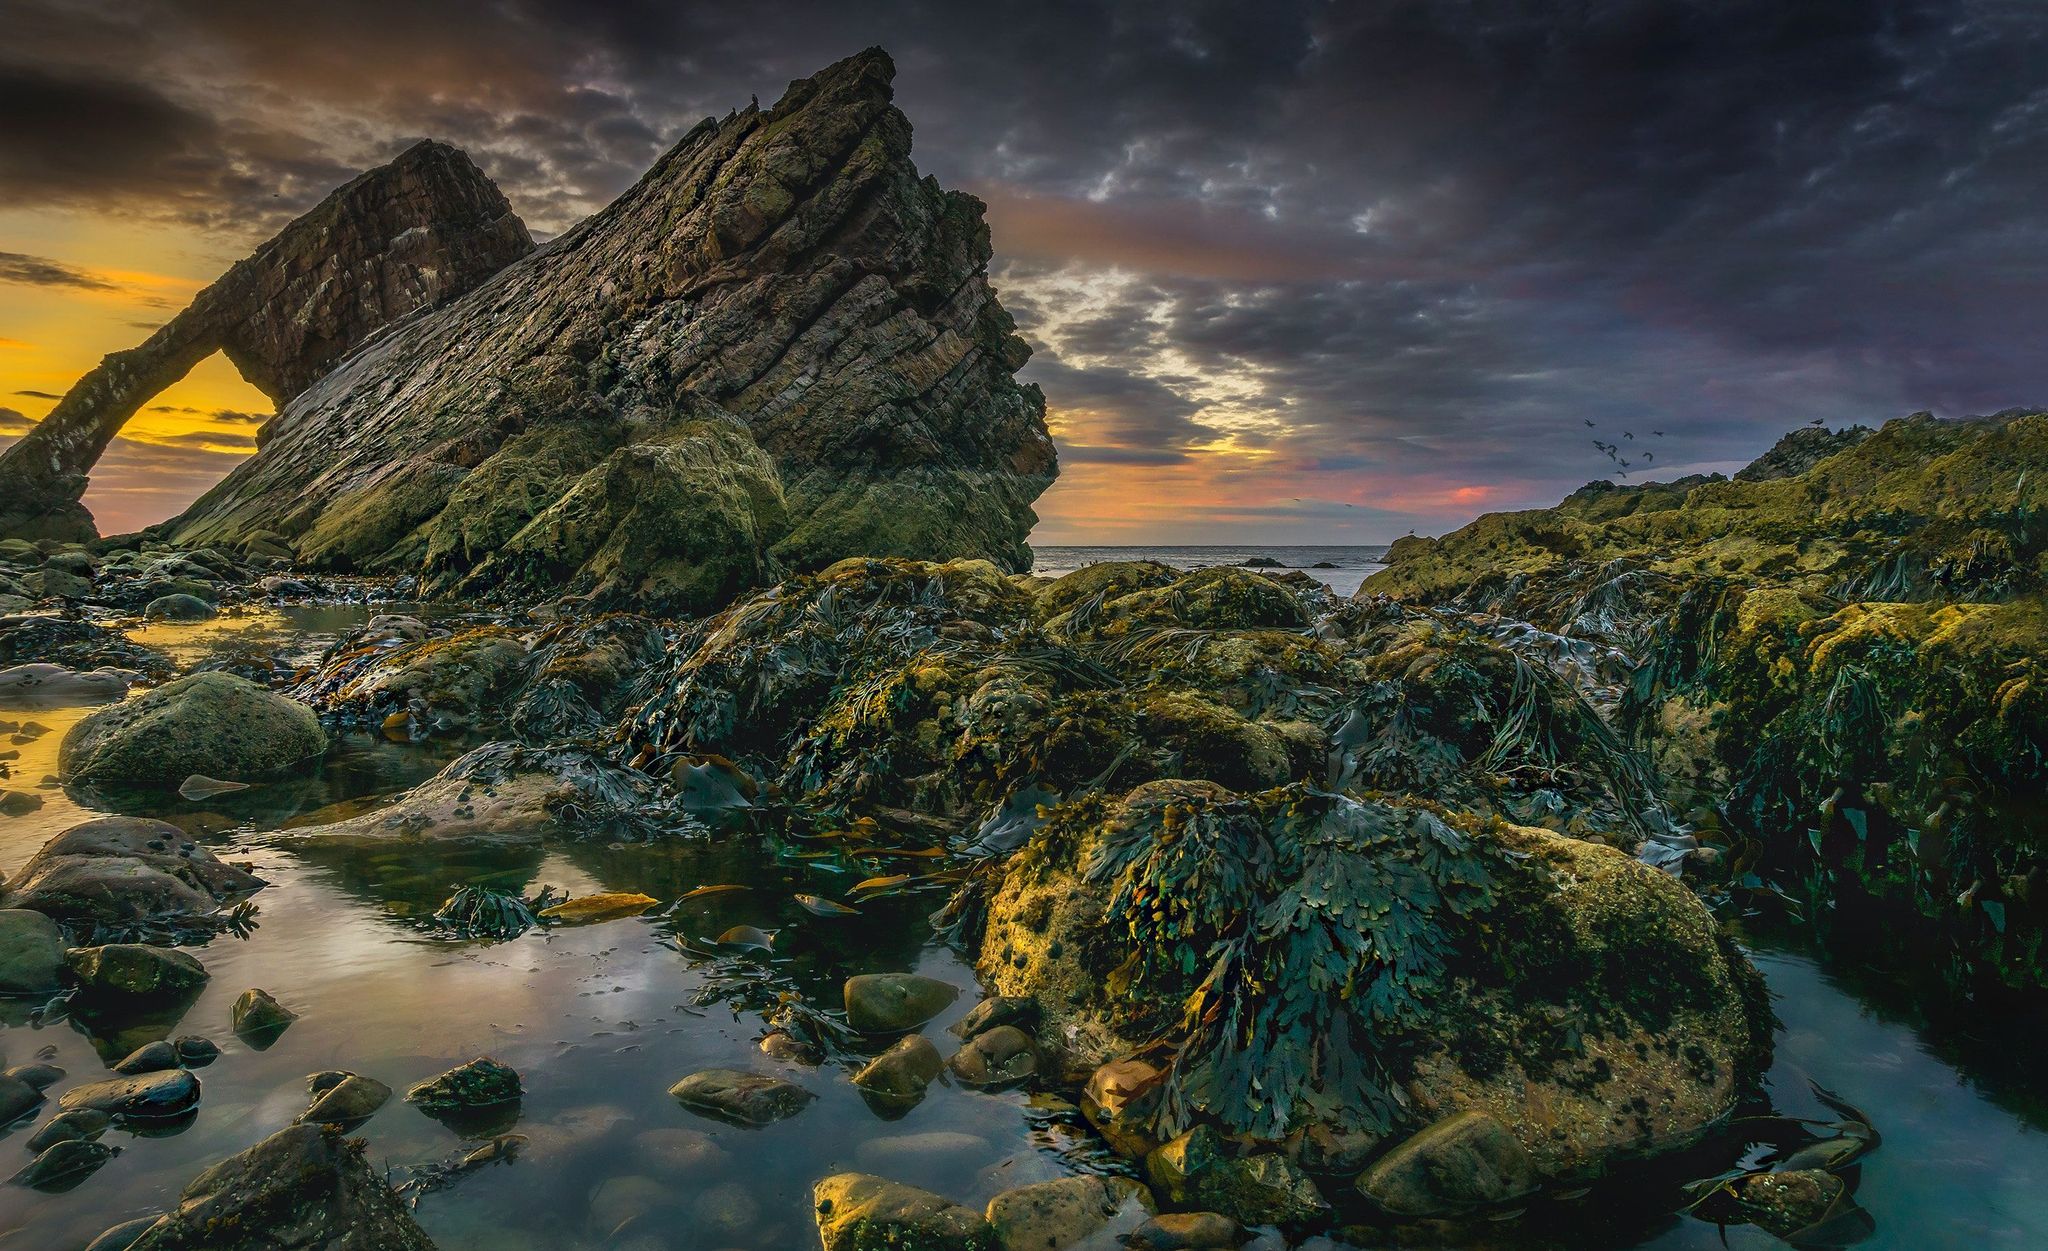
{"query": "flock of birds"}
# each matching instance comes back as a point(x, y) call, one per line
point(1613, 450)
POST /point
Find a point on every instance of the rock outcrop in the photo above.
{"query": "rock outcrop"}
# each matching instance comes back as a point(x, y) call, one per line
point(779, 348)
point(399, 238)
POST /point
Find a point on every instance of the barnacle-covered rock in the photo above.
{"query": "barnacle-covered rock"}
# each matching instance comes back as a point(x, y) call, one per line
point(1320, 960)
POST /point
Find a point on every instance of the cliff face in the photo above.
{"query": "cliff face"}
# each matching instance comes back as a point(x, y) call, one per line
point(781, 281)
point(399, 238)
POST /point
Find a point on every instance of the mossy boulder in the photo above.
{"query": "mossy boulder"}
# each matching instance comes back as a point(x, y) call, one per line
point(1451, 962)
point(862, 1212)
point(136, 970)
point(452, 682)
point(209, 723)
point(682, 526)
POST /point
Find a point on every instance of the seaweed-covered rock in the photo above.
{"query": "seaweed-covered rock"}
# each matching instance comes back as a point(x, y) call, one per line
point(480, 1085)
point(305, 1187)
point(861, 1212)
point(117, 870)
point(787, 266)
point(1445, 961)
point(448, 683)
point(211, 723)
point(137, 970)
point(585, 673)
point(502, 795)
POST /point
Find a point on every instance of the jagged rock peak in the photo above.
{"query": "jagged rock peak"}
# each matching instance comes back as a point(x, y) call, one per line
point(396, 239)
point(778, 349)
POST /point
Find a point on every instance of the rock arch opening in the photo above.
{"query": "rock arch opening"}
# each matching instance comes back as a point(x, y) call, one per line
point(178, 445)
point(423, 229)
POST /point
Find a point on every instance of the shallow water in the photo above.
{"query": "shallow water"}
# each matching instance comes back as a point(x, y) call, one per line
point(600, 1020)
point(1343, 567)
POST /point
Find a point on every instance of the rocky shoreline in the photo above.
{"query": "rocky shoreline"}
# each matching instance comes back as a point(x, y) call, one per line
point(1381, 918)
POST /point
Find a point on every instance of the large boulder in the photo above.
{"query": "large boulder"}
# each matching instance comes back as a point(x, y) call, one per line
point(209, 723)
point(1587, 1002)
point(116, 870)
point(787, 267)
point(307, 1188)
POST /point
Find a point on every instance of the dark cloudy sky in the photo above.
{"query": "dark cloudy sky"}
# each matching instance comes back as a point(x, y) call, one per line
point(1315, 272)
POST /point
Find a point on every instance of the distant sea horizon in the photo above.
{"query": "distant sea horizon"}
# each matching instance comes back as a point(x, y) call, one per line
point(1342, 566)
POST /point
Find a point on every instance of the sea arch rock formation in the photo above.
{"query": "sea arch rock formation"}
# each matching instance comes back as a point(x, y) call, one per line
point(778, 349)
point(396, 239)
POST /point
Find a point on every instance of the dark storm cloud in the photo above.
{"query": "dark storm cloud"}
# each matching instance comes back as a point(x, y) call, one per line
point(1420, 234)
point(41, 271)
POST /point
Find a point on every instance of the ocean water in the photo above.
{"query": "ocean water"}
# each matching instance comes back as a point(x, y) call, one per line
point(1342, 567)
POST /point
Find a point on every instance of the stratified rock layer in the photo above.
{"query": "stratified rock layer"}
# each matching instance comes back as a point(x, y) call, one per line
point(403, 236)
point(779, 348)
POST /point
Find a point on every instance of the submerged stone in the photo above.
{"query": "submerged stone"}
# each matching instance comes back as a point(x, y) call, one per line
point(1197, 1170)
point(1066, 1212)
point(146, 1097)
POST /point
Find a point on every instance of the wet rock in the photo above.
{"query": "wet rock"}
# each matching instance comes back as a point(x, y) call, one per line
point(1054, 1215)
point(120, 869)
point(891, 1003)
point(996, 1057)
point(901, 1073)
point(501, 795)
point(56, 584)
point(211, 723)
point(740, 1098)
point(83, 1125)
point(1018, 1010)
point(348, 1101)
point(306, 1187)
point(1187, 1231)
point(861, 1212)
point(17, 1099)
point(1780, 1204)
point(149, 1058)
point(1335, 1150)
point(788, 266)
point(54, 686)
point(483, 1084)
point(1462, 1163)
point(179, 608)
point(195, 1052)
point(1197, 1170)
point(31, 953)
point(258, 1019)
point(63, 1165)
point(147, 1097)
point(137, 970)
point(38, 1074)
point(1120, 1101)
point(785, 1046)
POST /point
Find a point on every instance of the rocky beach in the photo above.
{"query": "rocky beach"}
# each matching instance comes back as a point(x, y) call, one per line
point(603, 773)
